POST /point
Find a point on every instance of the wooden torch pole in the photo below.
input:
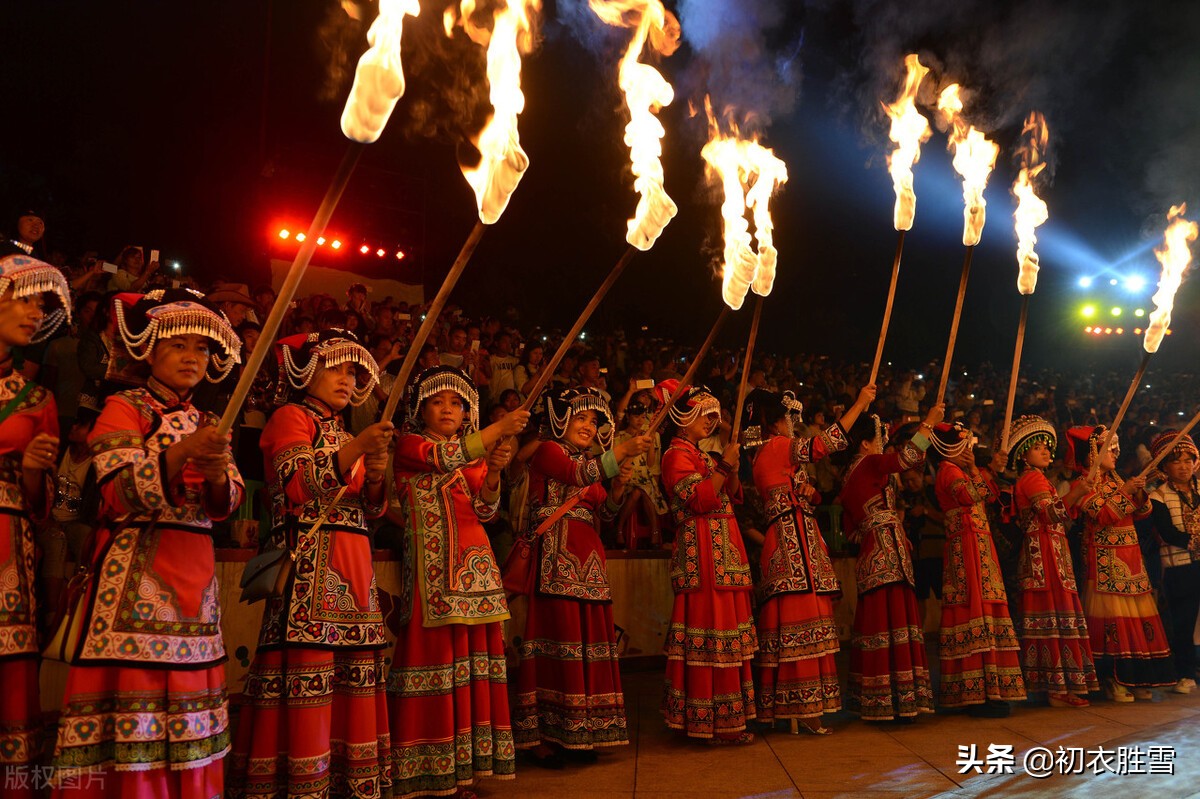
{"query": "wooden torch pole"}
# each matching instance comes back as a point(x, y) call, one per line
point(1016, 368)
point(690, 374)
point(1170, 447)
point(270, 329)
point(887, 310)
point(958, 306)
point(1108, 434)
point(741, 396)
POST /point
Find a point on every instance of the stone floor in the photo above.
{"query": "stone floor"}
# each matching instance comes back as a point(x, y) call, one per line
point(869, 760)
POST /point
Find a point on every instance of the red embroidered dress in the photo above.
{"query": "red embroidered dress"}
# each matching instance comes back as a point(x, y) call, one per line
point(710, 641)
point(977, 644)
point(797, 634)
point(314, 720)
point(145, 711)
point(20, 706)
point(889, 670)
point(1123, 620)
point(1055, 651)
point(569, 685)
point(447, 691)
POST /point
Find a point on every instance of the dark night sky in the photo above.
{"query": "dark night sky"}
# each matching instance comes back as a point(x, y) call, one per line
point(197, 129)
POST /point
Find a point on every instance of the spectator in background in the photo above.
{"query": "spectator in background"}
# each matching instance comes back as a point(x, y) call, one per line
point(592, 376)
point(30, 229)
point(133, 273)
point(357, 303)
point(502, 364)
point(457, 352)
point(234, 300)
point(264, 300)
point(61, 372)
point(529, 366)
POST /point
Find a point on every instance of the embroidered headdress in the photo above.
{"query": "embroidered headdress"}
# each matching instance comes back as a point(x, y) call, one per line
point(1027, 431)
point(1164, 439)
point(693, 402)
point(950, 440)
point(571, 401)
point(301, 355)
point(28, 277)
point(143, 320)
point(1085, 444)
point(867, 428)
point(763, 409)
point(443, 378)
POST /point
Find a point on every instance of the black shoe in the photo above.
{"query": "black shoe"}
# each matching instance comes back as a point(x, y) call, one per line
point(992, 709)
point(583, 756)
point(552, 762)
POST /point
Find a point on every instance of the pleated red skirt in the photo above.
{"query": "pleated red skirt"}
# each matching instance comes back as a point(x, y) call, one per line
point(134, 732)
point(889, 670)
point(20, 708)
point(1056, 653)
point(710, 644)
point(569, 684)
point(448, 708)
point(313, 723)
point(1126, 629)
point(797, 641)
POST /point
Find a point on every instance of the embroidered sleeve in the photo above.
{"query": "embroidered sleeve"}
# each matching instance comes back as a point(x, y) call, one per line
point(304, 474)
point(1107, 505)
point(911, 454)
point(682, 477)
point(965, 489)
point(810, 450)
point(237, 493)
point(486, 511)
point(47, 422)
point(415, 453)
point(579, 469)
point(131, 480)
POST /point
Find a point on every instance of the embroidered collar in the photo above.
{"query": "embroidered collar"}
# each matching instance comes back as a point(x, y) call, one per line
point(435, 436)
point(318, 407)
point(167, 396)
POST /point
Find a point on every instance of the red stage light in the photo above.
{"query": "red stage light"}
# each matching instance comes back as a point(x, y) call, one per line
point(283, 234)
point(1087, 329)
point(320, 240)
point(337, 245)
point(300, 237)
point(380, 252)
point(364, 249)
point(399, 255)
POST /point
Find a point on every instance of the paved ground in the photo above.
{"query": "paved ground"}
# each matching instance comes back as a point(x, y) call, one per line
point(867, 760)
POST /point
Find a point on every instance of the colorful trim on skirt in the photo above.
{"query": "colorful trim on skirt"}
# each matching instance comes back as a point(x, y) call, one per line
point(797, 641)
point(889, 670)
point(569, 684)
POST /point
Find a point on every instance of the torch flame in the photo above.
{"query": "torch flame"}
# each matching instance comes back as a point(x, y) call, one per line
point(974, 158)
point(1174, 255)
point(908, 130)
point(502, 161)
point(749, 174)
point(646, 91)
point(1031, 209)
point(379, 77)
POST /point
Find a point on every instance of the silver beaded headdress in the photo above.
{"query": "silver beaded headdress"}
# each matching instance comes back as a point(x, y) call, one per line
point(28, 277)
point(143, 320)
point(571, 401)
point(443, 378)
point(301, 355)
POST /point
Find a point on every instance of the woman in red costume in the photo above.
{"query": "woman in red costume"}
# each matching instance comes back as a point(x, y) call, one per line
point(314, 721)
point(797, 634)
point(28, 449)
point(709, 691)
point(889, 670)
point(977, 642)
point(1055, 650)
point(569, 686)
point(145, 711)
point(1127, 634)
point(447, 691)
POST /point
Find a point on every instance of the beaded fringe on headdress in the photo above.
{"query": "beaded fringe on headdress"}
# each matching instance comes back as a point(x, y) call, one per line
point(29, 277)
point(583, 401)
point(446, 381)
point(181, 319)
point(329, 353)
point(1027, 431)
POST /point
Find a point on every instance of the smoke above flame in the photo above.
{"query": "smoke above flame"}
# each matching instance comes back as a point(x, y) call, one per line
point(1175, 255)
point(502, 161)
point(909, 129)
point(646, 91)
point(1031, 209)
point(749, 175)
point(974, 159)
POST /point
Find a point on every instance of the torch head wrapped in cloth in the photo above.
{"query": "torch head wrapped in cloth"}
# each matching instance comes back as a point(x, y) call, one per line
point(300, 357)
point(571, 401)
point(379, 77)
point(143, 320)
point(436, 380)
point(29, 277)
point(1084, 446)
point(1025, 432)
